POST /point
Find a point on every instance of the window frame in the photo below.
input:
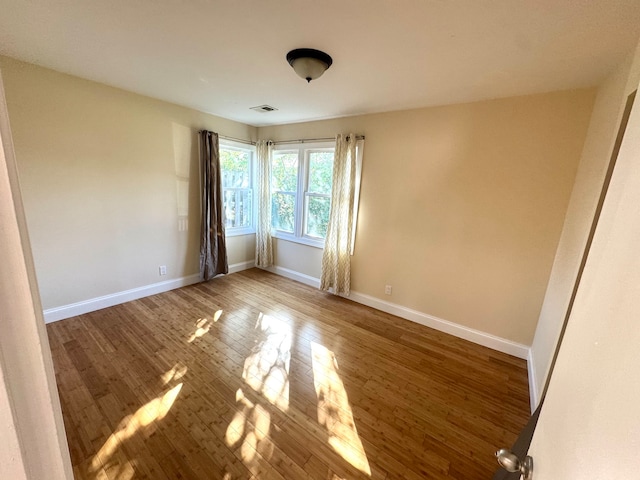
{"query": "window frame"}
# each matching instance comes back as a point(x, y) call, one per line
point(300, 218)
point(232, 145)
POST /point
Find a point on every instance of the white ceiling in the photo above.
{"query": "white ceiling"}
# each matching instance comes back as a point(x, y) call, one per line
point(225, 56)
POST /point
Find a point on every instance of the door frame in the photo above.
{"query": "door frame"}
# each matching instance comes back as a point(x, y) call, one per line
point(30, 409)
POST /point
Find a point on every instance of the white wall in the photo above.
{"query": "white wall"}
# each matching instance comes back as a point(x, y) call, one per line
point(603, 127)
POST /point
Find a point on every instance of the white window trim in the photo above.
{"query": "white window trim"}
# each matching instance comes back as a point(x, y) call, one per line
point(237, 231)
point(302, 148)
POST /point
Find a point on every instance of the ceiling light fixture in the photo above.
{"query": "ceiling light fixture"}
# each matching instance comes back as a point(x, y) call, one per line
point(309, 63)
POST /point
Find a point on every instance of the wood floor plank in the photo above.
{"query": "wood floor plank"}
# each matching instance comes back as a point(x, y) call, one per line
point(254, 376)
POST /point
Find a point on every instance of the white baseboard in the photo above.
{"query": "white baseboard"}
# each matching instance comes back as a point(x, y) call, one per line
point(238, 267)
point(86, 306)
point(476, 336)
point(534, 398)
point(293, 275)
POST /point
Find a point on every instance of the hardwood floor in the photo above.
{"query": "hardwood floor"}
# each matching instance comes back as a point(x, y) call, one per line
point(254, 376)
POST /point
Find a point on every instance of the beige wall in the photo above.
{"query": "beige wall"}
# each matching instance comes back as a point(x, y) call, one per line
point(31, 425)
point(11, 461)
point(596, 154)
point(589, 425)
point(108, 178)
point(461, 206)
point(298, 257)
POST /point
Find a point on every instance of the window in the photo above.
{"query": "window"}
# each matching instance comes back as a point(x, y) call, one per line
point(236, 165)
point(317, 197)
point(301, 178)
point(284, 186)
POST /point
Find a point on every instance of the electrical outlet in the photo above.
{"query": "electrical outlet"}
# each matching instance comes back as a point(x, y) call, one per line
point(387, 289)
point(163, 269)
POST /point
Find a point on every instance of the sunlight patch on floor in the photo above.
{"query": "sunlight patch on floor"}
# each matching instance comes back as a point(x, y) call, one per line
point(141, 421)
point(203, 325)
point(249, 430)
point(125, 472)
point(175, 373)
point(334, 411)
point(266, 369)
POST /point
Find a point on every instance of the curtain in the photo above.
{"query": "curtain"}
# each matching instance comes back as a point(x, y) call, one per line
point(336, 258)
point(213, 250)
point(264, 243)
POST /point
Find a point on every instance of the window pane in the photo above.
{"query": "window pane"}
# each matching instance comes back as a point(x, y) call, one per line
point(284, 172)
point(282, 211)
point(237, 208)
point(236, 170)
point(317, 210)
point(320, 172)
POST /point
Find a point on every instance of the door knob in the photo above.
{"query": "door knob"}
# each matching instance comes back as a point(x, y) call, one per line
point(511, 463)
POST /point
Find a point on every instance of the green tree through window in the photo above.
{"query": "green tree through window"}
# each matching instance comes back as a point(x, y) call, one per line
point(237, 186)
point(318, 195)
point(301, 179)
point(284, 182)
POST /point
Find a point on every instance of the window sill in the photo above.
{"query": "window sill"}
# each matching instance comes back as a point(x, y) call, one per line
point(236, 232)
point(310, 242)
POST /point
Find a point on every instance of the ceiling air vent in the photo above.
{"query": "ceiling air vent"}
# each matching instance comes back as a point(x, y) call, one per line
point(264, 108)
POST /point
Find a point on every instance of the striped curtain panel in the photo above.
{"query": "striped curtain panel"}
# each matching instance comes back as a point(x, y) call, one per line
point(213, 250)
point(264, 243)
point(336, 258)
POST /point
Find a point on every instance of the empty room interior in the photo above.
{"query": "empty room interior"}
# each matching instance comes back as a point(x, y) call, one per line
point(315, 240)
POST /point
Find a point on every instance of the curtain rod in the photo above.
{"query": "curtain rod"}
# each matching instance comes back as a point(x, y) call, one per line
point(239, 140)
point(308, 140)
point(283, 142)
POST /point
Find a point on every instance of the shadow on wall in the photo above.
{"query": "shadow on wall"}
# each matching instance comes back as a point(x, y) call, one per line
point(185, 154)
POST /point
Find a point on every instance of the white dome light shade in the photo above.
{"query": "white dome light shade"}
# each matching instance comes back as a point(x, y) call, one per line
point(309, 63)
point(308, 68)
